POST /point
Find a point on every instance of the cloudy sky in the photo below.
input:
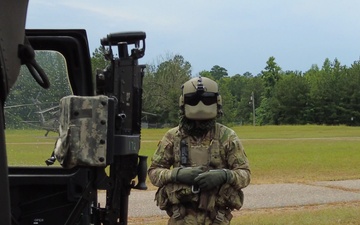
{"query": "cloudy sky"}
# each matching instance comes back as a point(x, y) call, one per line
point(239, 35)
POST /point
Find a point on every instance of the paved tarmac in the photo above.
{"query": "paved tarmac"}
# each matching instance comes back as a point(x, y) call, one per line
point(141, 203)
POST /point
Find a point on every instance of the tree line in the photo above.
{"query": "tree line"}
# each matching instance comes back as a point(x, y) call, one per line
point(328, 95)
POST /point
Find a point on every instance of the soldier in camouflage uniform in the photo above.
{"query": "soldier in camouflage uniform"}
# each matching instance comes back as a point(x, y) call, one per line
point(200, 166)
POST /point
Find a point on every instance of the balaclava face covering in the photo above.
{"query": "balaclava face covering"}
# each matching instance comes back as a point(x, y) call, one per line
point(189, 127)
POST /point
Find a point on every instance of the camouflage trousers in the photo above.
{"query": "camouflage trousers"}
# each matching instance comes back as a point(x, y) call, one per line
point(190, 216)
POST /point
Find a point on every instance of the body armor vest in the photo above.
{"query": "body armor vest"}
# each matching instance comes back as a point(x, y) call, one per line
point(207, 151)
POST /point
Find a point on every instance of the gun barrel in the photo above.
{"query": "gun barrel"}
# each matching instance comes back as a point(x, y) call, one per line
point(131, 37)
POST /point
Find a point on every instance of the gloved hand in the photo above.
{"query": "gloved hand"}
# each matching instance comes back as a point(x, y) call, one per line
point(212, 178)
point(185, 175)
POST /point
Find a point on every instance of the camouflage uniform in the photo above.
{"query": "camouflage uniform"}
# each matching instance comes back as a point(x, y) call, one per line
point(220, 148)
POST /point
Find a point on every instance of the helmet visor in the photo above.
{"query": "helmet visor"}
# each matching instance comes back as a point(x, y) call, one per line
point(208, 98)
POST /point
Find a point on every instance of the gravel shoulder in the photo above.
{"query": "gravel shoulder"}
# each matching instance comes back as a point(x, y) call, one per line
point(262, 196)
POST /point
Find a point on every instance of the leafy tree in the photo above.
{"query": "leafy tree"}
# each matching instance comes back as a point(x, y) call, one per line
point(98, 60)
point(162, 88)
point(229, 102)
point(291, 94)
point(235, 86)
point(250, 85)
point(326, 93)
point(218, 72)
point(207, 74)
point(352, 95)
point(270, 76)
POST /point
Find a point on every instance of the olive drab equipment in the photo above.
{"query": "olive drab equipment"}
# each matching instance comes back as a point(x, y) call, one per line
point(200, 98)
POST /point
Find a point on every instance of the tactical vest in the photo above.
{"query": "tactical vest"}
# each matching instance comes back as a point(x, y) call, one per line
point(208, 152)
point(211, 153)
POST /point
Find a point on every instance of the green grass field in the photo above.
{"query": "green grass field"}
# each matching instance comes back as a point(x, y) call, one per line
point(277, 154)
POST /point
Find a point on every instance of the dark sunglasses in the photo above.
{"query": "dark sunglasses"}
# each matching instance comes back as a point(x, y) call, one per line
point(206, 98)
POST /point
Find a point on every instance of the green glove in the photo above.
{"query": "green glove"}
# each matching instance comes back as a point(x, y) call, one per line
point(185, 175)
point(213, 178)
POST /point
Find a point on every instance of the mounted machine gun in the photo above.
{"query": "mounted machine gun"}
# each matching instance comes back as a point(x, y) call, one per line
point(100, 127)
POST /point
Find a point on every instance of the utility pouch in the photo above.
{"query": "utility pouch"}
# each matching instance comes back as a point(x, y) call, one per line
point(173, 194)
point(83, 131)
point(162, 201)
point(230, 198)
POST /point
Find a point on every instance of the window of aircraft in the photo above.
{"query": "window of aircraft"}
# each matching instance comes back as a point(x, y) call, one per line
point(32, 113)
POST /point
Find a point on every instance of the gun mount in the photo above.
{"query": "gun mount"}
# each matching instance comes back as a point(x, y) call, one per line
point(68, 195)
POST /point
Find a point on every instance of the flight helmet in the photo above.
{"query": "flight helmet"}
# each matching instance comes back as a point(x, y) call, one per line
point(200, 99)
